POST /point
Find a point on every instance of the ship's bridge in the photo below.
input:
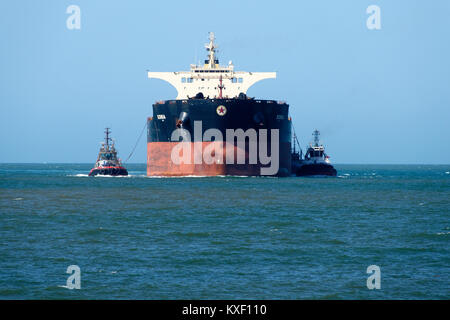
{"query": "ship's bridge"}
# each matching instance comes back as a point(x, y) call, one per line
point(211, 79)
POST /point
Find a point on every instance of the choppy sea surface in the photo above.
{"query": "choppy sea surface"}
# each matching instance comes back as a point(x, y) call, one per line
point(225, 237)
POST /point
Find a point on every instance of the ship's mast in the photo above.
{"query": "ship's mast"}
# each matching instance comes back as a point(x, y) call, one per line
point(211, 47)
point(316, 135)
point(107, 138)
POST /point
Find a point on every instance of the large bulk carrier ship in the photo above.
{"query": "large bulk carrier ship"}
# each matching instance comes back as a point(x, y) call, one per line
point(212, 96)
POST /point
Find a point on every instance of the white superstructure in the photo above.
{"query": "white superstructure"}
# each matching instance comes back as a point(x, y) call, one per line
point(211, 80)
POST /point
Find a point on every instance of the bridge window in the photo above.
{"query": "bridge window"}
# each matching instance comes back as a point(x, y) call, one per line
point(183, 80)
point(240, 80)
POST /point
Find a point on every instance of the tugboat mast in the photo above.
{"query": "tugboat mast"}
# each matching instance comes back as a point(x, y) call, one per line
point(316, 135)
point(107, 138)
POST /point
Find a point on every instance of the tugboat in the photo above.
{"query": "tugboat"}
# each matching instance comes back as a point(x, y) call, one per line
point(315, 162)
point(107, 163)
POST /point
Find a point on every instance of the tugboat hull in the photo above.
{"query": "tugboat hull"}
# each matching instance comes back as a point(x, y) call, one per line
point(318, 169)
point(109, 171)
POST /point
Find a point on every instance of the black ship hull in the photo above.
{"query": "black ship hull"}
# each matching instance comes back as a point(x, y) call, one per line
point(197, 116)
point(317, 169)
point(109, 171)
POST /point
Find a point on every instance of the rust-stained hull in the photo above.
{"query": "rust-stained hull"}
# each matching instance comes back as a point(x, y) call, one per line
point(159, 162)
point(222, 115)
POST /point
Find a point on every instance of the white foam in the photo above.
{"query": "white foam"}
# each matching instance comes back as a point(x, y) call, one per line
point(104, 176)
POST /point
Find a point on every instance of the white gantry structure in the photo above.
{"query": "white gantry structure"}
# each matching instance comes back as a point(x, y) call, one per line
point(211, 80)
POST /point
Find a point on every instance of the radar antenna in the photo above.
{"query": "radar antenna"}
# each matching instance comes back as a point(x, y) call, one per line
point(211, 37)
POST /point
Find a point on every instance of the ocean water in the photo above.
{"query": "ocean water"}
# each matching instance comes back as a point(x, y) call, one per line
point(225, 237)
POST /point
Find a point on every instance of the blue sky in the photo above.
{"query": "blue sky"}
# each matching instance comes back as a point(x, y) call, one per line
point(377, 96)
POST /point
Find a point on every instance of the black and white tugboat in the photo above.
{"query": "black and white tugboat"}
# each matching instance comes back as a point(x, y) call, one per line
point(107, 163)
point(315, 162)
